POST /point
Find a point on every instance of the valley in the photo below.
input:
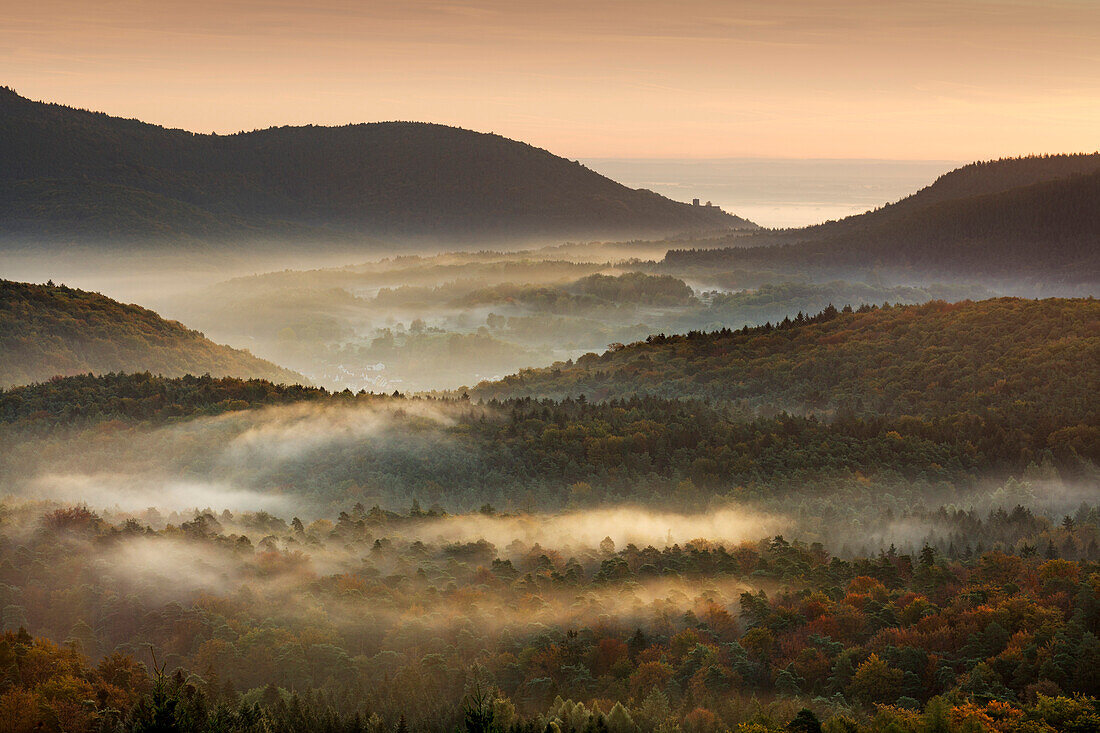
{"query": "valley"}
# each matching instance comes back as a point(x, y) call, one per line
point(415, 428)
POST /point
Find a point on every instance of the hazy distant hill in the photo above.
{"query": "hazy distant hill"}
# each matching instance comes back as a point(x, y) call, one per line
point(70, 173)
point(987, 177)
point(1007, 360)
point(1010, 218)
point(48, 330)
point(976, 179)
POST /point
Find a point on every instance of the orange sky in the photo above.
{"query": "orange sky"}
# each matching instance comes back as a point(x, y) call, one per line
point(954, 79)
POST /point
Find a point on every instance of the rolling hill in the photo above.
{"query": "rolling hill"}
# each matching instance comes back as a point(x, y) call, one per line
point(72, 174)
point(981, 178)
point(1010, 363)
point(940, 394)
point(48, 331)
point(1019, 218)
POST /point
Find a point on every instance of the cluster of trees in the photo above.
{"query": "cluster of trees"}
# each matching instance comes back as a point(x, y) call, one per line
point(594, 293)
point(520, 453)
point(523, 453)
point(537, 298)
point(745, 302)
point(48, 330)
point(965, 534)
point(377, 621)
point(974, 373)
point(69, 403)
point(637, 287)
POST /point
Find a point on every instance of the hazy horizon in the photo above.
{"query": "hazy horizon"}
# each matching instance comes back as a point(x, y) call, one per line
point(778, 192)
point(848, 79)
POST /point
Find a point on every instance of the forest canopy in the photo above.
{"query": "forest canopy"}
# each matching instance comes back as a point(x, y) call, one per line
point(373, 621)
point(1007, 361)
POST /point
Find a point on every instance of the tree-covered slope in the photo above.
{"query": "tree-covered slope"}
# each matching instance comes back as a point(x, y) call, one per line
point(980, 178)
point(1004, 362)
point(69, 172)
point(86, 399)
point(994, 176)
point(48, 330)
point(1008, 219)
point(510, 453)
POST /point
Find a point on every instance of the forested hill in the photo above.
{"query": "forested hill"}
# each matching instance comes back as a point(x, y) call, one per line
point(141, 397)
point(48, 330)
point(1021, 359)
point(995, 176)
point(66, 172)
point(981, 178)
point(637, 449)
point(1015, 218)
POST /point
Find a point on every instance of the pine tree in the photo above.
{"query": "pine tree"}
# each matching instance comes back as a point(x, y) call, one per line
point(805, 722)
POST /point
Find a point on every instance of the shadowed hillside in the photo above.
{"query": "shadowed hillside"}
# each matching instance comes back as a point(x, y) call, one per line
point(72, 173)
point(1020, 362)
point(1020, 218)
point(48, 330)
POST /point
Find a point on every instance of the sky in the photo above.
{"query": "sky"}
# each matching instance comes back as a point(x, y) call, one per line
point(892, 79)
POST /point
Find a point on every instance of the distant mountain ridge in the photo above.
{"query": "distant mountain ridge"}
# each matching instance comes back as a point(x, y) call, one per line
point(1010, 218)
point(52, 330)
point(980, 178)
point(71, 173)
point(1003, 174)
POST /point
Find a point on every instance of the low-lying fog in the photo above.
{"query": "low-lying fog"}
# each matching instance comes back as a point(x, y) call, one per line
point(314, 460)
point(238, 460)
point(431, 320)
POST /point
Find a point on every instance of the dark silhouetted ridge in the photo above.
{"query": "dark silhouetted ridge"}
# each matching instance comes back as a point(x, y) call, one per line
point(70, 173)
point(1047, 228)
